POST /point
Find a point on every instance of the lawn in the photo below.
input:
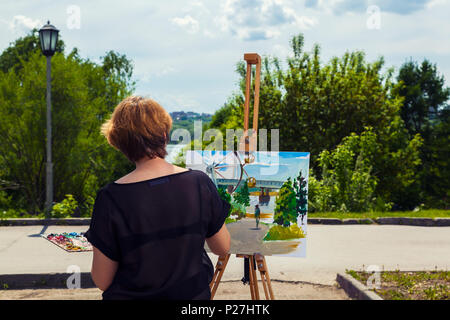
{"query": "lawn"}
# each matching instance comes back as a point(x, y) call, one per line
point(399, 285)
point(431, 213)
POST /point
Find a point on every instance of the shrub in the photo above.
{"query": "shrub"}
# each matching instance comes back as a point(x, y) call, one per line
point(65, 208)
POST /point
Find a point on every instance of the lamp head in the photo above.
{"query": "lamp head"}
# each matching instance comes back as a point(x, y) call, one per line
point(48, 36)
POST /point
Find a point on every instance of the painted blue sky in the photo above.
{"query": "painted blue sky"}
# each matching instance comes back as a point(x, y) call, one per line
point(276, 166)
point(185, 52)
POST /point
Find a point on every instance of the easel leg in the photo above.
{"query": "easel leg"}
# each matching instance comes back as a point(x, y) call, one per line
point(253, 279)
point(218, 273)
point(265, 279)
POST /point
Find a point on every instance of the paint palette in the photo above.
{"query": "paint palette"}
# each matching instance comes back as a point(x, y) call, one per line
point(70, 242)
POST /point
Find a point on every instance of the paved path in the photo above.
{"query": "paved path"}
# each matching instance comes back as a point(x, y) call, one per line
point(250, 239)
point(330, 249)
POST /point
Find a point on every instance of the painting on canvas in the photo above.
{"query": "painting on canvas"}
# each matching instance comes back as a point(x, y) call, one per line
point(268, 193)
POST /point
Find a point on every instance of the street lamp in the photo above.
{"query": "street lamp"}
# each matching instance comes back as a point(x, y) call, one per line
point(48, 36)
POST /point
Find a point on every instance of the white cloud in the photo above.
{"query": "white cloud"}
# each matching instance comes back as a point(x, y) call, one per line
point(160, 72)
point(21, 23)
point(191, 24)
point(434, 3)
point(260, 19)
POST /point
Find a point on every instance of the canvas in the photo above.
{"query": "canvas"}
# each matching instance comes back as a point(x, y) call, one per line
point(268, 195)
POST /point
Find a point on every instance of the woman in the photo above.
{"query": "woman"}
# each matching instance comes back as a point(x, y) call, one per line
point(149, 227)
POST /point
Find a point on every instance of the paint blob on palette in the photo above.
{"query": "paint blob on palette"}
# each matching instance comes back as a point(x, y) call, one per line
point(268, 194)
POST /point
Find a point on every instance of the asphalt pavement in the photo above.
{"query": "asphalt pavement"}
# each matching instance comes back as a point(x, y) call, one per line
point(330, 249)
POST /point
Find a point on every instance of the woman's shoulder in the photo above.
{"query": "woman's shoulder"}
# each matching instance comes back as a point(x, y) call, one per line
point(201, 176)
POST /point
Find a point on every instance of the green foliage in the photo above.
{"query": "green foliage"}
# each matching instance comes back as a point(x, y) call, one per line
point(19, 51)
point(301, 195)
point(435, 213)
point(65, 208)
point(425, 111)
point(285, 211)
point(352, 172)
point(229, 220)
point(225, 196)
point(424, 94)
point(278, 232)
point(242, 195)
point(84, 94)
point(183, 120)
point(5, 200)
point(238, 209)
point(327, 102)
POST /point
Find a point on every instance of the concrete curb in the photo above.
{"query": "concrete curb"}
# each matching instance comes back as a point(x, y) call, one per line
point(324, 221)
point(355, 289)
point(428, 222)
point(43, 281)
point(48, 222)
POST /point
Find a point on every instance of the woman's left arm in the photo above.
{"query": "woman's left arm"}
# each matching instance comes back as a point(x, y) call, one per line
point(103, 269)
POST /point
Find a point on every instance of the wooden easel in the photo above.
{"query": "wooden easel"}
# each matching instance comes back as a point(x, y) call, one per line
point(247, 144)
point(255, 260)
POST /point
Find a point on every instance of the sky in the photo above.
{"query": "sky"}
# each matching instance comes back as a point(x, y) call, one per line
point(185, 52)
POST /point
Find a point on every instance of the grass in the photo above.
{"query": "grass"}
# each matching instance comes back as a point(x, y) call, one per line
point(419, 285)
point(431, 213)
point(229, 220)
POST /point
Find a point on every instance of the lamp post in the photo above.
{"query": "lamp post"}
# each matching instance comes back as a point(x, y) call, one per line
point(48, 36)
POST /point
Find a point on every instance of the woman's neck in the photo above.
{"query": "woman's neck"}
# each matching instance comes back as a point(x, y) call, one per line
point(154, 164)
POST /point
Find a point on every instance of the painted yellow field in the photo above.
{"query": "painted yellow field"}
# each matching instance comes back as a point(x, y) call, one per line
point(262, 215)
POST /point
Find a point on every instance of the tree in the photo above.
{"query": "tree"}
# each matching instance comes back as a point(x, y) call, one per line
point(424, 95)
point(301, 195)
point(364, 173)
point(286, 205)
point(242, 195)
point(82, 99)
point(316, 105)
point(20, 51)
point(425, 111)
point(225, 196)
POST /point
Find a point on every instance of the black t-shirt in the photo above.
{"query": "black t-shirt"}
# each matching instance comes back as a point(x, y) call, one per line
point(156, 229)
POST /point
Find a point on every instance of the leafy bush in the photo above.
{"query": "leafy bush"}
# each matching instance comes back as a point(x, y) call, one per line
point(65, 208)
point(5, 200)
point(238, 210)
point(278, 232)
point(348, 183)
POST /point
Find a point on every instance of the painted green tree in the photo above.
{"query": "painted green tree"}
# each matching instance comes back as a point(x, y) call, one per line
point(286, 205)
point(242, 195)
point(301, 195)
point(225, 196)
